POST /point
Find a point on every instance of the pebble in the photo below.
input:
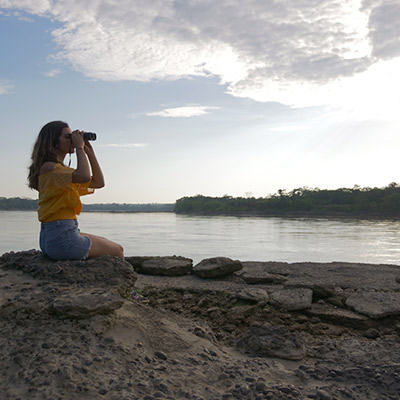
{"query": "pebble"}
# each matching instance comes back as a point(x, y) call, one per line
point(260, 386)
point(244, 390)
point(161, 355)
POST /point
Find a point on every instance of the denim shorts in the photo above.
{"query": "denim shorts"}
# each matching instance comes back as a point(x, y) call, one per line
point(61, 240)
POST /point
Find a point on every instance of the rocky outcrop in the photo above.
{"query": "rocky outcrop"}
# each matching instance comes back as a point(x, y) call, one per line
point(216, 267)
point(73, 329)
point(70, 289)
point(298, 286)
point(106, 272)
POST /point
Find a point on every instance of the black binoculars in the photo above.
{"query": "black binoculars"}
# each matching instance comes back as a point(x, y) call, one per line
point(87, 136)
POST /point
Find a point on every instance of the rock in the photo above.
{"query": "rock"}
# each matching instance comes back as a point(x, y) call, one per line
point(216, 267)
point(253, 294)
point(328, 276)
point(371, 333)
point(272, 341)
point(105, 271)
point(323, 395)
point(137, 261)
point(81, 306)
point(375, 304)
point(292, 299)
point(257, 273)
point(166, 266)
point(64, 333)
point(321, 292)
point(160, 355)
point(260, 386)
point(337, 316)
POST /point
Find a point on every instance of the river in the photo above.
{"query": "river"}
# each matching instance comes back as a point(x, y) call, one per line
point(244, 238)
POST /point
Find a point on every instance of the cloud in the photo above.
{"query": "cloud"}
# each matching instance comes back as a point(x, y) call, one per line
point(289, 128)
point(384, 30)
point(31, 6)
point(5, 87)
point(53, 73)
point(265, 50)
point(125, 145)
point(182, 112)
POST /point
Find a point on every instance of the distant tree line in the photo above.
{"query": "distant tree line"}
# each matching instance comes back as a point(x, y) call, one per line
point(305, 201)
point(302, 201)
point(18, 203)
point(115, 207)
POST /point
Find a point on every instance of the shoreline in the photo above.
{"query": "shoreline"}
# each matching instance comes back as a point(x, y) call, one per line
point(338, 216)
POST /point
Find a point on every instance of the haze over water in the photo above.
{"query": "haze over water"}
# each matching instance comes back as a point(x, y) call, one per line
point(244, 238)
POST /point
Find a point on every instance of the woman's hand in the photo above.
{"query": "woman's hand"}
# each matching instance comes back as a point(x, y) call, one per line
point(77, 139)
point(88, 148)
point(97, 181)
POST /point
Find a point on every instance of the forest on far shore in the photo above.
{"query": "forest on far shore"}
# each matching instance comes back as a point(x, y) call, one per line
point(356, 201)
point(21, 203)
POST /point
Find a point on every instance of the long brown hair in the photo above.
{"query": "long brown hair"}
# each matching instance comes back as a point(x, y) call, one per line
point(45, 149)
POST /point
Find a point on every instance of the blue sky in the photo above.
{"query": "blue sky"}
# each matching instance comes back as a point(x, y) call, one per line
point(201, 97)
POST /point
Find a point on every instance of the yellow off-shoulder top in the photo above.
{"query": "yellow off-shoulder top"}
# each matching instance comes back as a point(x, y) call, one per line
point(59, 197)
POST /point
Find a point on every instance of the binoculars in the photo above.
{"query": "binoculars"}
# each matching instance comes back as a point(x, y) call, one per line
point(87, 136)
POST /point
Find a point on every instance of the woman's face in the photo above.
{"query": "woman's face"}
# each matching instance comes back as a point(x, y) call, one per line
point(64, 145)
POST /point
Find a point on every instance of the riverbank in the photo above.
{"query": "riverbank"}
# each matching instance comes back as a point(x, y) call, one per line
point(248, 330)
point(300, 214)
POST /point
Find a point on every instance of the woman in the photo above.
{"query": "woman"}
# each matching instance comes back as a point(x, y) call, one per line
point(60, 188)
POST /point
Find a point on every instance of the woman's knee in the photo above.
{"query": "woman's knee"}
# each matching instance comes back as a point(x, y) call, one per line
point(119, 250)
point(101, 246)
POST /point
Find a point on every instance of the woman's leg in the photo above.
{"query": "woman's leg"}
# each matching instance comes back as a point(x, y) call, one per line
point(101, 246)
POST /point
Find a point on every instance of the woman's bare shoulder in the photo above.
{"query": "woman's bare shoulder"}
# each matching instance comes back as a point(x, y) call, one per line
point(47, 167)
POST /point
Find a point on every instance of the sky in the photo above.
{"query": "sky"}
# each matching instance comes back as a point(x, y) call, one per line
point(187, 97)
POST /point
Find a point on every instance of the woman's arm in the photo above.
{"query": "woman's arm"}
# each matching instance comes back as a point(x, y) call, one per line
point(97, 174)
point(82, 172)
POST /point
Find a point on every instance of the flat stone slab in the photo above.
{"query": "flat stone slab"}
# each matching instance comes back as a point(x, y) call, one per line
point(338, 316)
point(81, 306)
point(216, 267)
point(329, 275)
point(166, 266)
point(256, 273)
point(375, 304)
point(292, 299)
point(253, 294)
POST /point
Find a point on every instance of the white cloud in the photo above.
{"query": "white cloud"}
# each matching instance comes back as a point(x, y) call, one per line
point(53, 73)
point(125, 145)
point(296, 52)
point(182, 112)
point(32, 6)
point(5, 87)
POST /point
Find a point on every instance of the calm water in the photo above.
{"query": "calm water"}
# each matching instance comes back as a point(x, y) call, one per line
point(244, 238)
